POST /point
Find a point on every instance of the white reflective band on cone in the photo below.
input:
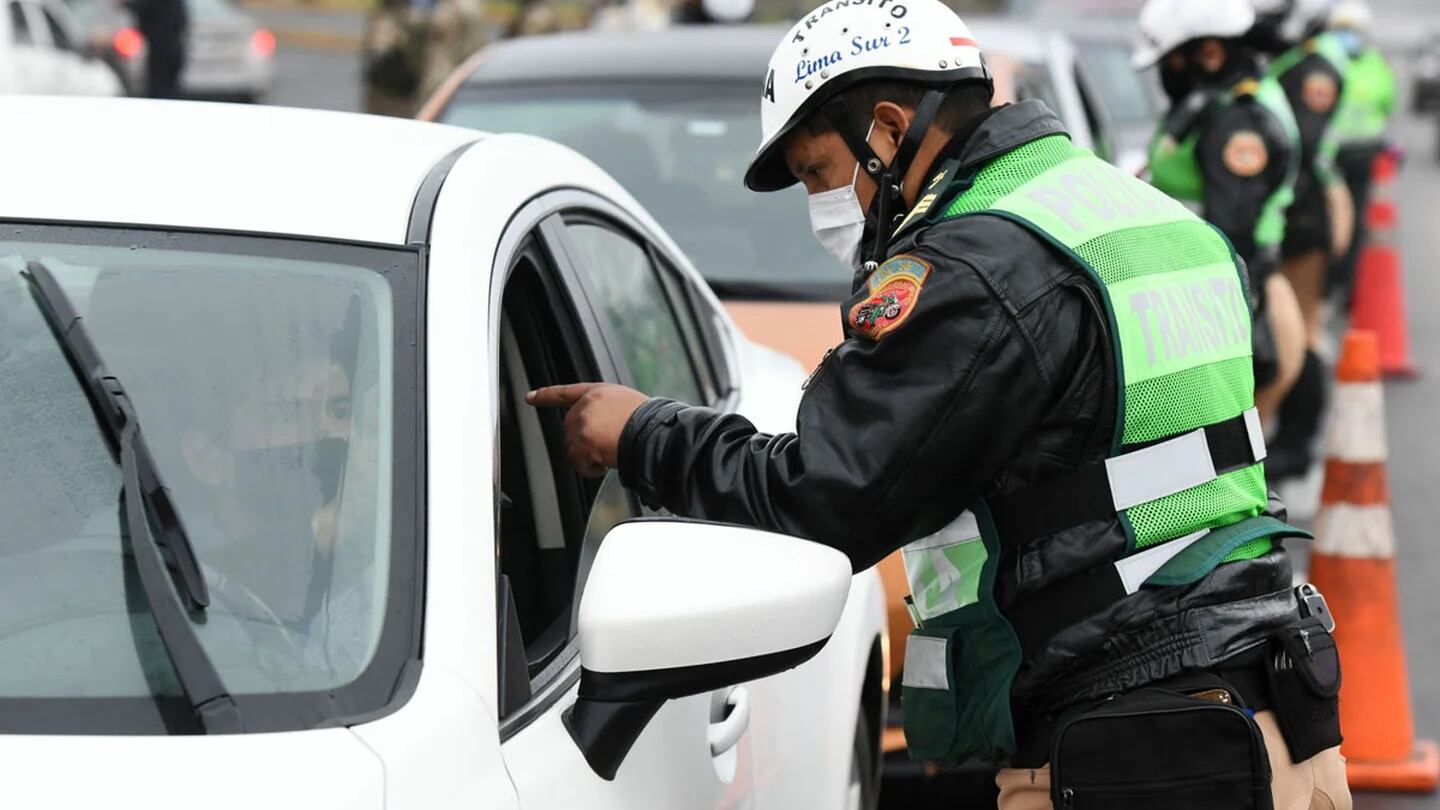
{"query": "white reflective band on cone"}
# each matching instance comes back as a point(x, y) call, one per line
point(1361, 532)
point(925, 663)
point(1357, 430)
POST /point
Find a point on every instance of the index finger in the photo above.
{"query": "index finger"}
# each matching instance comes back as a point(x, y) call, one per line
point(561, 396)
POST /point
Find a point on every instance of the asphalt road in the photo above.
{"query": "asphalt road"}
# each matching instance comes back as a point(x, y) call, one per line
point(328, 78)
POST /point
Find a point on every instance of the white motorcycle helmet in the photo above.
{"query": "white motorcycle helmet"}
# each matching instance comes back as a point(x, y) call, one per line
point(843, 43)
point(1352, 15)
point(1168, 24)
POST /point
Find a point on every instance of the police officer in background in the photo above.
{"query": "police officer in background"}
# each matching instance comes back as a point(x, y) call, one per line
point(1229, 146)
point(1366, 105)
point(1044, 395)
point(164, 24)
point(1311, 65)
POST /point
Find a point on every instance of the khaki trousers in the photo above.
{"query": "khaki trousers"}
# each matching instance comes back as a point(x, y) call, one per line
point(1317, 783)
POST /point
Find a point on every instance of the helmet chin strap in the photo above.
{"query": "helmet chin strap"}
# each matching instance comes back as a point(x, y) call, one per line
point(888, 207)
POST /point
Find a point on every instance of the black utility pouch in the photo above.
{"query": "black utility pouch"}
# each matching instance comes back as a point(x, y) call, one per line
point(1162, 747)
point(1304, 671)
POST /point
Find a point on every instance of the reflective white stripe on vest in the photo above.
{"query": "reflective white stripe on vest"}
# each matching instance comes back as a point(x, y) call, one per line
point(1137, 568)
point(925, 663)
point(1171, 466)
point(944, 568)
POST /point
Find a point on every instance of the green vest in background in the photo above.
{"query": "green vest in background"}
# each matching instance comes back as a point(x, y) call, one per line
point(1179, 320)
point(1176, 171)
point(1332, 50)
point(1368, 99)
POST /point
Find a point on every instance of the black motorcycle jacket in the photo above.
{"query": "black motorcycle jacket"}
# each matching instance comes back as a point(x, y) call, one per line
point(998, 373)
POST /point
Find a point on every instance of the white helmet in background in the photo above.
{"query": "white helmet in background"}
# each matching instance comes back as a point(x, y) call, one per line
point(843, 43)
point(1352, 15)
point(1168, 24)
point(728, 11)
point(1297, 19)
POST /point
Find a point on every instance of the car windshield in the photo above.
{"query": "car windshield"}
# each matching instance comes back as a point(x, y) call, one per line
point(264, 386)
point(682, 150)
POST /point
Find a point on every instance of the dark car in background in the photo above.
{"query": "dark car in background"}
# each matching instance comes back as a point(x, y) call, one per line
point(228, 55)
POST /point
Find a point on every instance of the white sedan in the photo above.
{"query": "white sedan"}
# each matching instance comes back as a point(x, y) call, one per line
point(43, 50)
point(267, 475)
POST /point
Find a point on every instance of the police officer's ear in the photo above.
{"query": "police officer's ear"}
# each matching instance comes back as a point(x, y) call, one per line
point(892, 121)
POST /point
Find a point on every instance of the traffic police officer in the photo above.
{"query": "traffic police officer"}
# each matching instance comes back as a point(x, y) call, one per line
point(1044, 395)
point(1229, 147)
point(1311, 65)
point(1366, 105)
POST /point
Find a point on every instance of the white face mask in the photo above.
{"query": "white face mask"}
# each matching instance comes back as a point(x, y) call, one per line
point(838, 220)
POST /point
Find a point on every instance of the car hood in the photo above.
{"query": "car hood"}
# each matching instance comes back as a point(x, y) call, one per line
point(317, 770)
point(770, 385)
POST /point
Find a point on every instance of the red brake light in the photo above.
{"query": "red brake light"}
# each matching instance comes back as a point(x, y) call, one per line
point(262, 42)
point(128, 43)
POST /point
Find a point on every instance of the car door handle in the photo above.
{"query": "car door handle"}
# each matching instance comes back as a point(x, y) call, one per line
point(726, 732)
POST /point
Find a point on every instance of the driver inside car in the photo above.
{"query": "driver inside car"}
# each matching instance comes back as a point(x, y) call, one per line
point(253, 429)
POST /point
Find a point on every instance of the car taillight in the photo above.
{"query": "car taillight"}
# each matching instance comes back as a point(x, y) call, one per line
point(128, 43)
point(262, 42)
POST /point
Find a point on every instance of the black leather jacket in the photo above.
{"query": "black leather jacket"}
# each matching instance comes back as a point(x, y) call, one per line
point(1002, 375)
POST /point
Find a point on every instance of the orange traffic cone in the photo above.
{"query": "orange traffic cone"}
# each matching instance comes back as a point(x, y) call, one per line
point(1379, 300)
point(1354, 565)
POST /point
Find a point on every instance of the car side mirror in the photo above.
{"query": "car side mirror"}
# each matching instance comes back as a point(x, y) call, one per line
point(675, 608)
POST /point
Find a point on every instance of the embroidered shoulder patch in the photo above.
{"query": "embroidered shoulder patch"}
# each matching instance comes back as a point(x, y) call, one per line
point(894, 289)
point(1245, 154)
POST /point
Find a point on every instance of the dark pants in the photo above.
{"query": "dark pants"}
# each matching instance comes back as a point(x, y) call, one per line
point(162, 69)
point(1356, 163)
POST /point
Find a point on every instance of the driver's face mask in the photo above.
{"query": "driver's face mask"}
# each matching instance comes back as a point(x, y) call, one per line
point(838, 220)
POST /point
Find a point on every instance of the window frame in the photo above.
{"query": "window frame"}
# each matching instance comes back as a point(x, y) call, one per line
point(674, 286)
point(18, 7)
point(55, 24)
point(542, 222)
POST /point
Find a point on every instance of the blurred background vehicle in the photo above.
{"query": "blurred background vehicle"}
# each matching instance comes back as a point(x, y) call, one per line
point(1047, 67)
point(42, 50)
point(678, 132)
point(229, 56)
point(1425, 91)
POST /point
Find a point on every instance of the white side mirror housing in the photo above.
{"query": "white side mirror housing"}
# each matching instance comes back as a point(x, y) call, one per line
point(675, 608)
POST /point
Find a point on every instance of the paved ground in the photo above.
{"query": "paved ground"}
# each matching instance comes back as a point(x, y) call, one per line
point(317, 69)
point(316, 63)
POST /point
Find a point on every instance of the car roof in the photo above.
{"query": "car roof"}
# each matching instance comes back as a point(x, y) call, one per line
point(217, 166)
point(1023, 40)
point(738, 52)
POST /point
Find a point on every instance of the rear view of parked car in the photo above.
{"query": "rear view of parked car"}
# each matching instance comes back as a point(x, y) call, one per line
point(43, 51)
point(228, 55)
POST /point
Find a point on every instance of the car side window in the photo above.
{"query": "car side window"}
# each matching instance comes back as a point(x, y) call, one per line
point(58, 37)
point(640, 304)
point(20, 26)
point(551, 519)
point(1094, 115)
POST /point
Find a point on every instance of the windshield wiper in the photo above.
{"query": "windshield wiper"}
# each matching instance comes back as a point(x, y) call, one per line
point(145, 499)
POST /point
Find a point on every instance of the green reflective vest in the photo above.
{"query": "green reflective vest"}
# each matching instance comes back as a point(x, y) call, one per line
point(1175, 169)
point(1332, 50)
point(1179, 320)
point(1367, 100)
